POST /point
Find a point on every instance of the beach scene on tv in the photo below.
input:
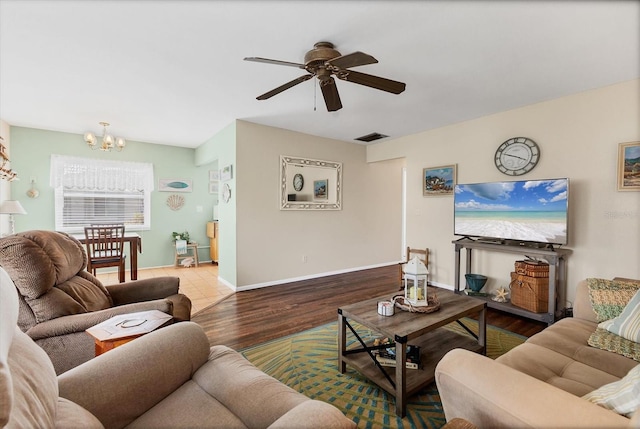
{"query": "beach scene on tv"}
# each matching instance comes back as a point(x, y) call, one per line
point(534, 210)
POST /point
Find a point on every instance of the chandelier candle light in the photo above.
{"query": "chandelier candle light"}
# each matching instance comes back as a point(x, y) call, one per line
point(108, 141)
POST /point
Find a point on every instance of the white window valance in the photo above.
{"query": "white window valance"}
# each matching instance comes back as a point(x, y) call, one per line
point(91, 174)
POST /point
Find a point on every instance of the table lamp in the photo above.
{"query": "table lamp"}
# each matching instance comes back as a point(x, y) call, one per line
point(12, 207)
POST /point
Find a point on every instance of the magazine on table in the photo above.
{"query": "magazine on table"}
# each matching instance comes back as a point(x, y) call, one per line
point(387, 357)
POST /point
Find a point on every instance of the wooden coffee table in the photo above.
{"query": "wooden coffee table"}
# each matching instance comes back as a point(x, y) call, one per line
point(420, 329)
point(123, 328)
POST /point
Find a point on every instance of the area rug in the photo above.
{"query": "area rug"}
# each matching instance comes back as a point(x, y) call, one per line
point(308, 363)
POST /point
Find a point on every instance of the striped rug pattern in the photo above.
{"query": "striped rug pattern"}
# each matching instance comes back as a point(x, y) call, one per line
point(307, 362)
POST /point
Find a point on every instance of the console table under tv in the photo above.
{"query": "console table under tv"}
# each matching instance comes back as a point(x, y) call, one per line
point(556, 258)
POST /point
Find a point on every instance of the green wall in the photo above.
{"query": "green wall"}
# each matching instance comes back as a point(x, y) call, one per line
point(31, 151)
point(221, 148)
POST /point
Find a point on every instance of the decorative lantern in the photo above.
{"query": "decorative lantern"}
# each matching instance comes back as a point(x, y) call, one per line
point(415, 282)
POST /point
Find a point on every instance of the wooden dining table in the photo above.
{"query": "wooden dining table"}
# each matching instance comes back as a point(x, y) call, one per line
point(135, 246)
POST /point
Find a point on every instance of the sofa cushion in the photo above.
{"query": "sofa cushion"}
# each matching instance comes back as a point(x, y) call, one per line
point(610, 297)
point(556, 369)
point(71, 415)
point(627, 324)
point(33, 386)
point(622, 396)
point(560, 356)
point(90, 296)
point(188, 407)
point(570, 336)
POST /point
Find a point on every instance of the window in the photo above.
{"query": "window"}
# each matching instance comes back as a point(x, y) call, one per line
point(90, 191)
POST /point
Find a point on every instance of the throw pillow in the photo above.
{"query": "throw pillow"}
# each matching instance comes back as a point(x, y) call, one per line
point(610, 297)
point(622, 396)
point(627, 324)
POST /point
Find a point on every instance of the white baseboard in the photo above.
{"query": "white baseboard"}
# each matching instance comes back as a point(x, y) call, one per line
point(308, 277)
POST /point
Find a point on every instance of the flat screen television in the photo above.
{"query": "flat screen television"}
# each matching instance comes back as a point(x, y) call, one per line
point(526, 211)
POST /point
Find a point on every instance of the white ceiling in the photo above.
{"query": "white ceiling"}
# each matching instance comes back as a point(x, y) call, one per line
point(172, 72)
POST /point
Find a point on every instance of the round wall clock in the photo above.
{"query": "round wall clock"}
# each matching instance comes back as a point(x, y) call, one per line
point(298, 182)
point(517, 156)
point(226, 193)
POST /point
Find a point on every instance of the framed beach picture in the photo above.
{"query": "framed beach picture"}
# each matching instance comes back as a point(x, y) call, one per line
point(320, 189)
point(175, 185)
point(629, 166)
point(438, 180)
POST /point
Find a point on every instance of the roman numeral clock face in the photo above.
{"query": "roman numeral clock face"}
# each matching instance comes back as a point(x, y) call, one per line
point(517, 156)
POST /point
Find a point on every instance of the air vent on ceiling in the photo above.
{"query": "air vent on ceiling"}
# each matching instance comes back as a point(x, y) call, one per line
point(371, 137)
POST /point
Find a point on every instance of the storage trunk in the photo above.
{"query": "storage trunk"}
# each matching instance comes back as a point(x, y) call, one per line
point(530, 293)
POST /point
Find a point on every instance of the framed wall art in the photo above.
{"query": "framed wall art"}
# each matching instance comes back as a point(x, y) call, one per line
point(175, 185)
point(226, 173)
point(438, 181)
point(214, 175)
point(321, 189)
point(629, 166)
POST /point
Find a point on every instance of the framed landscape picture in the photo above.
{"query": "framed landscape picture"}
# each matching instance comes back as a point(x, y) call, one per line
point(629, 166)
point(438, 180)
point(320, 189)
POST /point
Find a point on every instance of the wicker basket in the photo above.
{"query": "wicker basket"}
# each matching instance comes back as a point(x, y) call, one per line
point(530, 293)
point(532, 268)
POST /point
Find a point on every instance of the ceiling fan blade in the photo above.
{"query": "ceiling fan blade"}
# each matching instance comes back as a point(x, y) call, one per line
point(284, 87)
point(352, 60)
point(330, 94)
point(376, 82)
point(276, 62)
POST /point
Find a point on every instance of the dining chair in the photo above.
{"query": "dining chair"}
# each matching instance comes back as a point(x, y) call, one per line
point(105, 248)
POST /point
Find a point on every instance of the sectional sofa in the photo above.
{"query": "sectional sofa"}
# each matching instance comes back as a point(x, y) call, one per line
point(541, 383)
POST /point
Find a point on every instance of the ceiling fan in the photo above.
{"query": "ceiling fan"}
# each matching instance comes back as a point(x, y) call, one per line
point(324, 62)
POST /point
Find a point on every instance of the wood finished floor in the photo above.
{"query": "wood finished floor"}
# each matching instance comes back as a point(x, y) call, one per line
point(246, 318)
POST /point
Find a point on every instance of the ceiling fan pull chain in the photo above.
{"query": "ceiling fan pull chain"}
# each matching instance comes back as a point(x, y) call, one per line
point(315, 97)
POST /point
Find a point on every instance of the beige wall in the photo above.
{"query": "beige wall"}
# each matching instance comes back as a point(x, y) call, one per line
point(578, 136)
point(271, 243)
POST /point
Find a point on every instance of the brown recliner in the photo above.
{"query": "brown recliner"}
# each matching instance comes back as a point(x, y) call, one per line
point(59, 299)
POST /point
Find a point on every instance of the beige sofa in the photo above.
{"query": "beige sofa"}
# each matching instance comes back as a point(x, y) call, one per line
point(169, 378)
point(539, 383)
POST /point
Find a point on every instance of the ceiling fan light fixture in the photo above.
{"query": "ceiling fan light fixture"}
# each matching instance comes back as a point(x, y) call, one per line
point(324, 62)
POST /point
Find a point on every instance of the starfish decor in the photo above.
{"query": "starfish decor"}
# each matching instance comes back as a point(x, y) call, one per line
point(500, 295)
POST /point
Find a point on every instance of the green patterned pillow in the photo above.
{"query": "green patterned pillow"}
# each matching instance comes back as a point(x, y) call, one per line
point(610, 297)
point(622, 396)
point(605, 340)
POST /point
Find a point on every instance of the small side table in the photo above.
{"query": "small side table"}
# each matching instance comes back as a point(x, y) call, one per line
point(192, 252)
point(123, 328)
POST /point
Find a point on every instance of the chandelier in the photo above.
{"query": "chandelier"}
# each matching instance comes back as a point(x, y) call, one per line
point(6, 173)
point(108, 141)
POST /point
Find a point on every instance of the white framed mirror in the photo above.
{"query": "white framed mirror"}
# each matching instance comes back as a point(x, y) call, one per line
point(310, 184)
